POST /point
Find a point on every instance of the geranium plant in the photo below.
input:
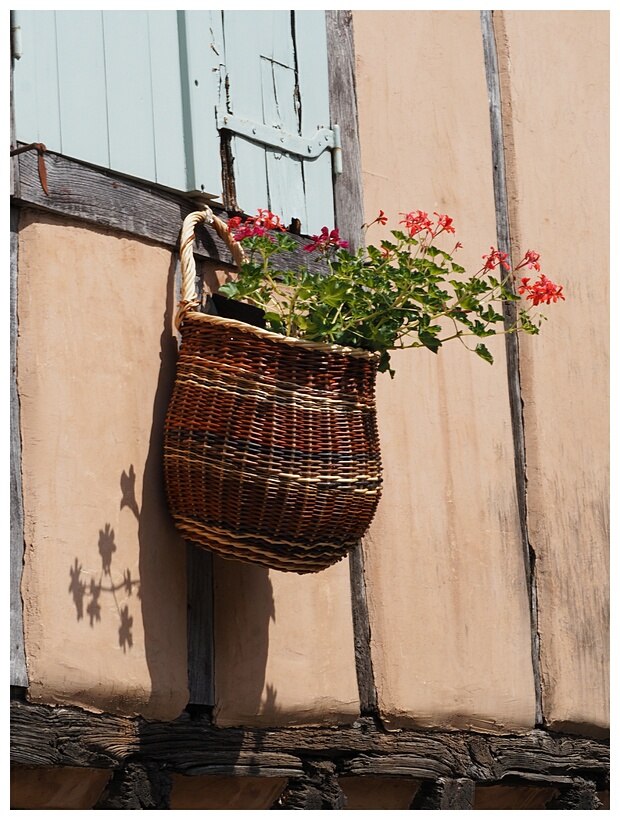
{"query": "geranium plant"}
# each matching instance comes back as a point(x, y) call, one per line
point(408, 292)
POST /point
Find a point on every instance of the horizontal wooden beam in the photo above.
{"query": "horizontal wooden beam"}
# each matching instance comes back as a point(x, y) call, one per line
point(191, 745)
point(109, 200)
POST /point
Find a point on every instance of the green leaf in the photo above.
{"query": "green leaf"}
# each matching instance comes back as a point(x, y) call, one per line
point(484, 353)
point(229, 289)
point(429, 340)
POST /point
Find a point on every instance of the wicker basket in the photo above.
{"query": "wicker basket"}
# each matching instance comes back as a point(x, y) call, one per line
point(271, 449)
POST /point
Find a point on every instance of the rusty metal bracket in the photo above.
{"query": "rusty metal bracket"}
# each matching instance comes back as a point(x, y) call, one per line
point(40, 149)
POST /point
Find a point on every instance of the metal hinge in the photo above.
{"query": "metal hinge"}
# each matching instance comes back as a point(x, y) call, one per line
point(16, 39)
point(322, 140)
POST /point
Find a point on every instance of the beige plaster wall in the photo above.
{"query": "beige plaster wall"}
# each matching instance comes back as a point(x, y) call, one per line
point(284, 652)
point(232, 793)
point(558, 164)
point(51, 788)
point(447, 594)
point(104, 585)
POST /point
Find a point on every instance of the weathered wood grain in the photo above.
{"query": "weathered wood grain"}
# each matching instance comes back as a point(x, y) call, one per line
point(348, 194)
point(108, 200)
point(19, 674)
point(200, 625)
point(349, 210)
point(511, 339)
point(445, 795)
point(67, 736)
point(361, 633)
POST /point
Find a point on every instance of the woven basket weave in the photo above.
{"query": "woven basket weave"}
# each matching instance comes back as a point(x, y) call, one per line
point(271, 448)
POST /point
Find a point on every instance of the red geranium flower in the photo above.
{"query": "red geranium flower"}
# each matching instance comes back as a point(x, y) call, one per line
point(543, 290)
point(496, 258)
point(444, 223)
point(531, 260)
point(254, 225)
point(416, 221)
point(382, 218)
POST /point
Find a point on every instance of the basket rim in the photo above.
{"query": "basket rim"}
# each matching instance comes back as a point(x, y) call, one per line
point(325, 347)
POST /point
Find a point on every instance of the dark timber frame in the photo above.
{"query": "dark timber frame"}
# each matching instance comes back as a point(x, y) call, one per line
point(143, 755)
point(449, 764)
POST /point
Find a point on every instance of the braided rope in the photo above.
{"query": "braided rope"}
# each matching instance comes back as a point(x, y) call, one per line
point(189, 297)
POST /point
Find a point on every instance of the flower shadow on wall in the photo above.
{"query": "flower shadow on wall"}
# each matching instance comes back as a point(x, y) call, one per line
point(87, 595)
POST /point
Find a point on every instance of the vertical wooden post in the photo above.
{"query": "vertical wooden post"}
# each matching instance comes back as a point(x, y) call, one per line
point(19, 674)
point(349, 210)
point(445, 794)
point(316, 789)
point(348, 192)
point(200, 626)
point(138, 786)
point(580, 794)
point(512, 341)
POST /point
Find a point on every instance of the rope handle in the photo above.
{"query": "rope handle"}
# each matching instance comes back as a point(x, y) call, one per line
point(189, 297)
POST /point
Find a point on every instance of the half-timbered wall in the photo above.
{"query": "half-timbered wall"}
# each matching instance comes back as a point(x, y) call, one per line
point(460, 657)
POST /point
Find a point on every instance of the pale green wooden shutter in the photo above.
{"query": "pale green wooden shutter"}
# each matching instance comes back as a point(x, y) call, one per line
point(106, 87)
point(276, 75)
point(200, 37)
point(142, 92)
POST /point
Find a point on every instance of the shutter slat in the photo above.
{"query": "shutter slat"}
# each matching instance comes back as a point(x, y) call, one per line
point(81, 77)
point(243, 34)
point(311, 42)
point(284, 171)
point(170, 165)
point(128, 87)
point(35, 79)
point(201, 44)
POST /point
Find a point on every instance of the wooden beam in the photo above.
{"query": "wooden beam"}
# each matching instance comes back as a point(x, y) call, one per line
point(200, 641)
point(349, 210)
point(19, 674)
point(511, 339)
point(108, 200)
point(192, 745)
point(348, 192)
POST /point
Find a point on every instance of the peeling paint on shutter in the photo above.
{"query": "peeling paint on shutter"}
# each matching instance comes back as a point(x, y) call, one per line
point(200, 37)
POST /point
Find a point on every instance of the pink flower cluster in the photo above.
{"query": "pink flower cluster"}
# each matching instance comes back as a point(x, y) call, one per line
point(258, 225)
point(325, 240)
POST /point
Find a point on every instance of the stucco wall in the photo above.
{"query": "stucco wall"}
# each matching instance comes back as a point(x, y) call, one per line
point(284, 652)
point(444, 564)
point(446, 583)
point(104, 585)
point(558, 166)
